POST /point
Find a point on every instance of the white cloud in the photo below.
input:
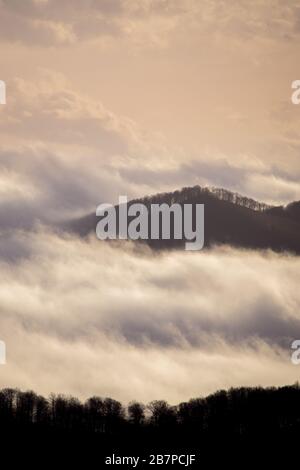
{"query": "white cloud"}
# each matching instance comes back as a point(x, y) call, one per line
point(88, 317)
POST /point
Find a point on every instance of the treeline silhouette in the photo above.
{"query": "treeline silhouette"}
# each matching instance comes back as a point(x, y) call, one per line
point(229, 420)
point(238, 411)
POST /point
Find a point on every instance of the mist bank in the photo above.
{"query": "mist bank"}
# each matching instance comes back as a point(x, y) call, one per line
point(84, 317)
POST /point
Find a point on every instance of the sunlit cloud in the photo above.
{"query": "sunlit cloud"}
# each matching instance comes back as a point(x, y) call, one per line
point(101, 309)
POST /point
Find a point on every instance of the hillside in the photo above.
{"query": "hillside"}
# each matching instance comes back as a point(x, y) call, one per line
point(230, 219)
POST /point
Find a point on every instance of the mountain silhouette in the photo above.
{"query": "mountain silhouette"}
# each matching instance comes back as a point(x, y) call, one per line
point(230, 219)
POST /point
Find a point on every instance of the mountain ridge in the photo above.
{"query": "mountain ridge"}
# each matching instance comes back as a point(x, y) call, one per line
point(230, 219)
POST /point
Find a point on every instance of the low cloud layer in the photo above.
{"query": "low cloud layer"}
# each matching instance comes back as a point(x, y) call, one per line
point(87, 317)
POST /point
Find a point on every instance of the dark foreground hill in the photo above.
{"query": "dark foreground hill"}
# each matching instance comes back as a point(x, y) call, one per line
point(253, 425)
point(230, 219)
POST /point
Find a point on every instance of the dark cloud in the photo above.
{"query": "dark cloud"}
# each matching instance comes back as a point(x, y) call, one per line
point(61, 190)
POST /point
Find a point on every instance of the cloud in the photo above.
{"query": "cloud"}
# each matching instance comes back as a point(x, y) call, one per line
point(262, 182)
point(62, 153)
point(172, 324)
point(64, 23)
point(144, 22)
point(57, 23)
point(48, 110)
point(86, 318)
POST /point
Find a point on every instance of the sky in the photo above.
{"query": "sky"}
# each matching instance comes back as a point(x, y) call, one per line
point(134, 97)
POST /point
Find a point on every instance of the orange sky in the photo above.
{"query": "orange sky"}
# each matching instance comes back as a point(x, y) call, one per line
point(195, 89)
